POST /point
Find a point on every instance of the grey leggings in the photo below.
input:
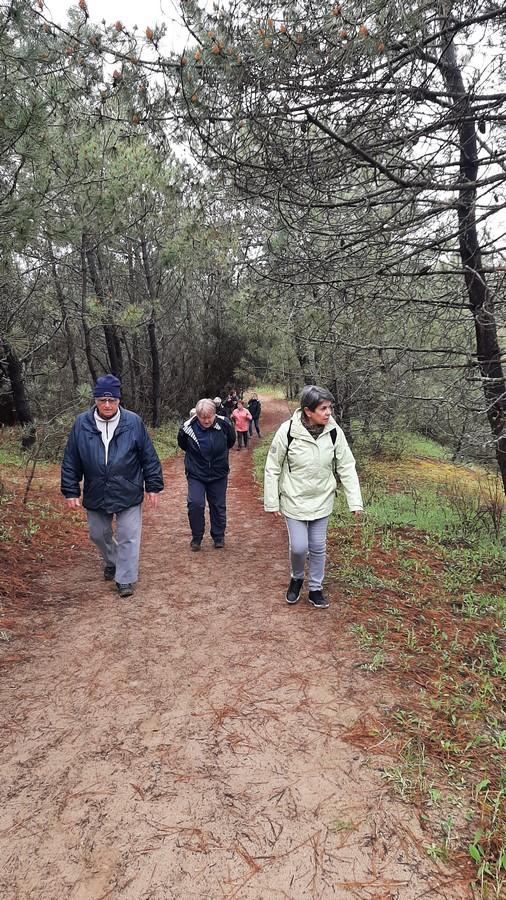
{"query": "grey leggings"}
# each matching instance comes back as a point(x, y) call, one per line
point(308, 538)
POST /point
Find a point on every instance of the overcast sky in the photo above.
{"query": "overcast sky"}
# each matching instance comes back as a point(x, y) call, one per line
point(130, 12)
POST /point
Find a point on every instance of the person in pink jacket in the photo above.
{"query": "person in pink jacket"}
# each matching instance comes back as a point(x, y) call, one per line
point(241, 418)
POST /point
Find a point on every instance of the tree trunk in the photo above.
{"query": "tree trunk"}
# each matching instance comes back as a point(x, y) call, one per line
point(112, 343)
point(19, 398)
point(342, 408)
point(133, 362)
point(137, 371)
point(63, 308)
point(306, 360)
point(132, 393)
point(86, 330)
point(153, 344)
point(113, 329)
point(480, 300)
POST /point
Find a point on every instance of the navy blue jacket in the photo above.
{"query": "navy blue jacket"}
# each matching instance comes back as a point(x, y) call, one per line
point(132, 464)
point(222, 434)
point(255, 408)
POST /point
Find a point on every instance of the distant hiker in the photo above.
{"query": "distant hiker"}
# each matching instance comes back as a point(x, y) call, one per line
point(230, 403)
point(110, 447)
point(241, 417)
point(220, 409)
point(306, 454)
point(206, 440)
point(255, 408)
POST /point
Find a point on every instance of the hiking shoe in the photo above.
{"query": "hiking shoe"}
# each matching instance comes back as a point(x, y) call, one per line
point(195, 545)
point(219, 543)
point(294, 589)
point(318, 600)
point(124, 590)
point(109, 573)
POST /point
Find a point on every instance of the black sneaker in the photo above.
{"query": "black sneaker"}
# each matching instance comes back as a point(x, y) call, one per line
point(294, 589)
point(318, 600)
point(195, 545)
point(219, 543)
point(124, 590)
point(109, 573)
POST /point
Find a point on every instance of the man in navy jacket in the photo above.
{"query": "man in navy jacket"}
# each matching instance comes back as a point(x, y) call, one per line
point(206, 439)
point(110, 448)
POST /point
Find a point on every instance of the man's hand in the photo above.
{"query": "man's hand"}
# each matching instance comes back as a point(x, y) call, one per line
point(73, 502)
point(274, 512)
point(153, 500)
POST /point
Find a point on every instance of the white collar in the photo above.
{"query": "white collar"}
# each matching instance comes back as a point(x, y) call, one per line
point(112, 421)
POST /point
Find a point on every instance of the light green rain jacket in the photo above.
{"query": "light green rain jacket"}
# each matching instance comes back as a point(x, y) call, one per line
point(306, 490)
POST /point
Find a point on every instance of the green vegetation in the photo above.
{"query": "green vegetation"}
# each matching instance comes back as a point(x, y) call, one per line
point(10, 448)
point(418, 445)
point(259, 456)
point(275, 391)
point(448, 512)
point(392, 444)
point(165, 440)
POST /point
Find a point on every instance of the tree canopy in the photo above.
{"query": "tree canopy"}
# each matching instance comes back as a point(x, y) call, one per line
point(307, 193)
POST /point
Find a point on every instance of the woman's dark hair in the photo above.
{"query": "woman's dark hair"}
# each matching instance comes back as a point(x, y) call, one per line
point(312, 396)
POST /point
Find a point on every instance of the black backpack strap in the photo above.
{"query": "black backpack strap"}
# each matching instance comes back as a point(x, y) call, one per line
point(333, 435)
point(289, 439)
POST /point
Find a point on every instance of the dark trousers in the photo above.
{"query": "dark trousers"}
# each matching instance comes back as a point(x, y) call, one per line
point(255, 423)
point(216, 492)
point(242, 439)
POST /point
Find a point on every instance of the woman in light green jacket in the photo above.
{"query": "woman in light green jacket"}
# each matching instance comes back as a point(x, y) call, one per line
point(305, 455)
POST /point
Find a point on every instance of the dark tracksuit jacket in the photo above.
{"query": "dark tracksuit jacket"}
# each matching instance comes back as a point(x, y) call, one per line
point(222, 437)
point(207, 473)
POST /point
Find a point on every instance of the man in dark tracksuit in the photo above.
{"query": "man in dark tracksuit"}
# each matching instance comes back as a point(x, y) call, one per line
point(110, 447)
point(220, 409)
point(206, 439)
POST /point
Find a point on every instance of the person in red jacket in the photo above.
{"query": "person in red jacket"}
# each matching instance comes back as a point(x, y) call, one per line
point(241, 417)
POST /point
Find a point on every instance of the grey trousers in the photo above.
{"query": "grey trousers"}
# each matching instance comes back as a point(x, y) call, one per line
point(122, 548)
point(308, 538)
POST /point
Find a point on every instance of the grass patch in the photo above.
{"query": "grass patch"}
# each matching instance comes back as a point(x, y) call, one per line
point(259, 457)
point(165, 440)
point(276, 391)
point(11, 453)
point(395, 444)
point(418, 445)
point(446, 514)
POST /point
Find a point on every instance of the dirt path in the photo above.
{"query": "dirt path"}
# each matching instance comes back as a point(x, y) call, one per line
point(196, 742)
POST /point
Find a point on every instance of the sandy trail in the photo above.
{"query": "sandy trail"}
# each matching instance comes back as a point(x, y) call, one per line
point(194, 742)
